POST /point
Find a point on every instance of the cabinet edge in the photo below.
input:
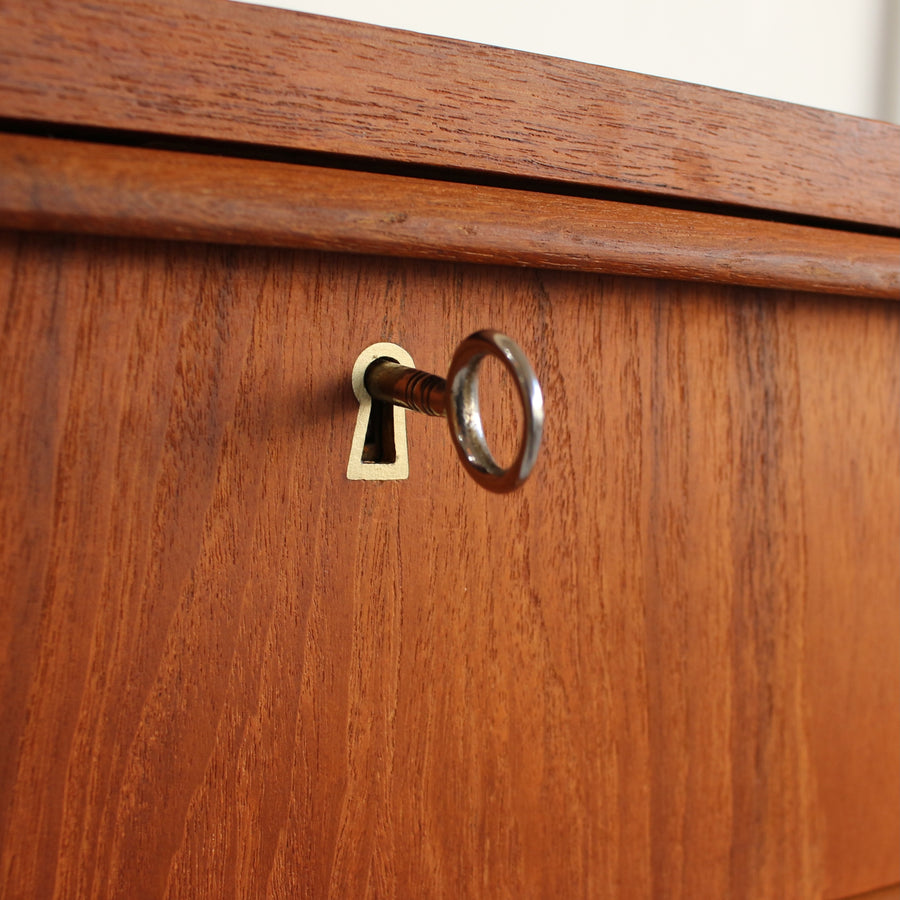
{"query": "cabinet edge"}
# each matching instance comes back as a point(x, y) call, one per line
point(69, 186)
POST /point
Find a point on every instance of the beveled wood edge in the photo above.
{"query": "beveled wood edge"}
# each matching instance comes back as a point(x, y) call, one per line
point(67, 186)
point(231, 71)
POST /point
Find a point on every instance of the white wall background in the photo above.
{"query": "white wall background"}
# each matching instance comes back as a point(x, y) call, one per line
point(833, 54)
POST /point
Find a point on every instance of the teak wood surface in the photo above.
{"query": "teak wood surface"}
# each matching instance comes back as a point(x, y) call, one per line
point(125, 191)
point(234, 72)
point(667, 667)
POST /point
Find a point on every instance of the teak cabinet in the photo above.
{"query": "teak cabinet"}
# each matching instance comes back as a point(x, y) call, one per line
point(668, 666)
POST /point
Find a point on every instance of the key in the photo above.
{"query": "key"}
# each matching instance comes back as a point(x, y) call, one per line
point(391, 383)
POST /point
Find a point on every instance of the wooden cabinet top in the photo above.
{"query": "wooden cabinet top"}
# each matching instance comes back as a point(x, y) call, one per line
point(260, 77)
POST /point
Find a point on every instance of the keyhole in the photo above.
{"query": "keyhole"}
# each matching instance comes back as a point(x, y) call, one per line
point(379, 446)
point(378, 450)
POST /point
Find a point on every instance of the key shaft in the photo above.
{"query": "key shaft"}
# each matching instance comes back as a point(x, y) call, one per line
point(413, 389)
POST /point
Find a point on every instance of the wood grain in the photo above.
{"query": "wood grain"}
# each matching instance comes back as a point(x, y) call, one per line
point(843, 644)
point(228, 670)
point(70, 186)
point(213, 69)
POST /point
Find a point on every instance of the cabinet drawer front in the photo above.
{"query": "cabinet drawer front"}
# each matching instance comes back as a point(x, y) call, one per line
point(668, 666)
